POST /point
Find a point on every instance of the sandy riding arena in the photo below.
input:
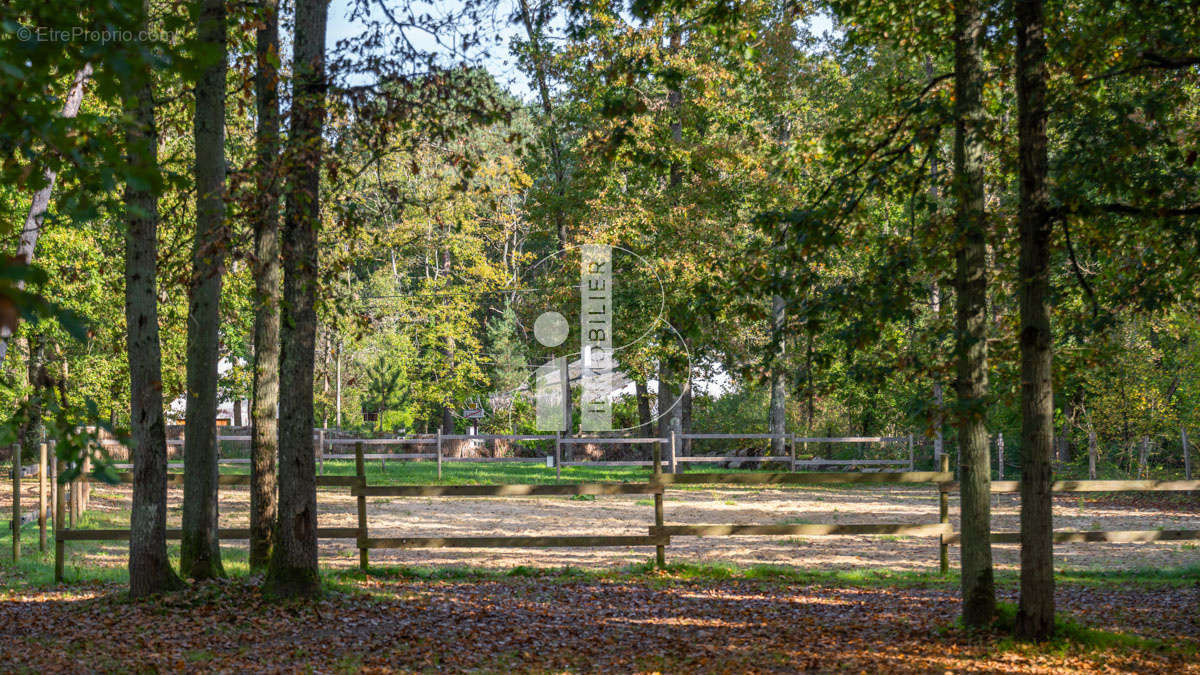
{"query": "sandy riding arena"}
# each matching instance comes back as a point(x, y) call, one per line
point(631, 515)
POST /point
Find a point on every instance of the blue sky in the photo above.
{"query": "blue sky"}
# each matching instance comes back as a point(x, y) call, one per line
point(499, 61)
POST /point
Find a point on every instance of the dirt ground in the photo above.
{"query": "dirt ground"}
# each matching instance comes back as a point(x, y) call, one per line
point(463, 516)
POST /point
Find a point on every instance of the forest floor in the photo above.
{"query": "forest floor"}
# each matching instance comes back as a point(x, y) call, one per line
point(727, 604)
point(684, 620)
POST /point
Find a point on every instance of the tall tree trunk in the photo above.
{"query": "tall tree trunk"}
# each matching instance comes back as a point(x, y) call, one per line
point(293, 569)
point(670, 409)
point(149, 568)
point(1035, 616)
point(1187, 454)
point(557, 165)
point(978, 585)
point(645, 426)
point(35, 366)
point(1092, 454)
point(777, 424)
point(1144, 458)
point(27, 243)
point(264, 439)
point(685, 414)
point(200, 550)
point(668, 402)
point(938, 422)
point(338, 388)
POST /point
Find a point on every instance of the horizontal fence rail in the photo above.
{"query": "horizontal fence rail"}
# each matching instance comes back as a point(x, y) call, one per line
point(1085, 536)
point(918, 530)
point(570, 541)
point(1012, 486)
point(657, 483)
point(802, 478)
point(176, 533)
point(62, 534)
point(509, 490)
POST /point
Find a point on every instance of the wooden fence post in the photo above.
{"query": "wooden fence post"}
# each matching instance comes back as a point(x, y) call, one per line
point(558, 454)
point(16, 502)
point(793, 453)
point(660, 551)
point(912, 458)
point(42, 471)
point(360, 470)
point(59, 508)
point(944, 517)
point(439, 452)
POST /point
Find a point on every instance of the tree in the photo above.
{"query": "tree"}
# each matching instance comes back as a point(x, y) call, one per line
point(200, 550)
point(264, 428)
point(37, 208)
point(978, 586)
point(1035, 615)
point(293, 568)
point(149, 569)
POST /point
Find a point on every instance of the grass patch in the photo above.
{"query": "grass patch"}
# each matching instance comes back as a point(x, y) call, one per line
point(424, 472)
point(198, 656)
point(1072, 636)
point(1188, 575)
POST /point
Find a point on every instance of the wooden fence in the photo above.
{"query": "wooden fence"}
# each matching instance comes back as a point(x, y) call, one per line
point(62, 534)
point(325, 447)
point(659, 535)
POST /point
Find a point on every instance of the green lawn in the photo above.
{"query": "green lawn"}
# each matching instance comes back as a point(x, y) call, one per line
point(398, 472)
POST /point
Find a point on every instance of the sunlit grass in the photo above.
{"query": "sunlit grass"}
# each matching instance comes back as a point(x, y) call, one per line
point(1071, 636)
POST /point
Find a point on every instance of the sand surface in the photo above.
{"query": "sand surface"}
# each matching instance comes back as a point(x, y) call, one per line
point(632, 514)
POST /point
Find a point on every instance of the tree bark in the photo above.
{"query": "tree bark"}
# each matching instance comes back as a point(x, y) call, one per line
point(645, 423)
point(293, 569)
point(935, 292)
point(777, 423)
point(264, 439)
point(40, 387)
point(978, 584)
point(1144, 458)
point(200, 550)
point(1035, 615)
point(685, 415)
point(668, 402)
point(1187, 454)
point(557, 165)
point(149, 568)
point(1092, 454)
point(27, 243)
